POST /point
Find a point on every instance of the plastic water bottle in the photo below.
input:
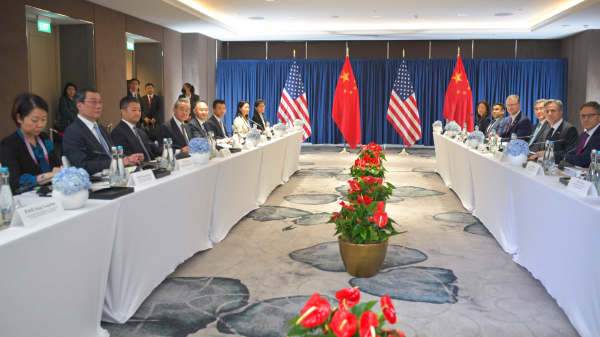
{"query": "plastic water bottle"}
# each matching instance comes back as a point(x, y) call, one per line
point(493, 142)
point(593, 169)
point(170, 154)
point(596, 175)
point(213, 145)
point(7, 205)
point(513, 137)
point(165, 153)
point(546, 153)
point(477, 128)
point(115, 177)
point(552, 169)
point(122, 171)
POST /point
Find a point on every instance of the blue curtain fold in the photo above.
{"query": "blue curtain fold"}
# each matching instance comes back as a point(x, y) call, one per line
point(490, 79)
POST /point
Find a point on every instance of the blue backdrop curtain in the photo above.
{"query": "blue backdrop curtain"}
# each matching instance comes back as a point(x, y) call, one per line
point(491, 80)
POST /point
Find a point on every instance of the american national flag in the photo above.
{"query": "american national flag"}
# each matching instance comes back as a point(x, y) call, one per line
point(402, 111)
point(293, 101)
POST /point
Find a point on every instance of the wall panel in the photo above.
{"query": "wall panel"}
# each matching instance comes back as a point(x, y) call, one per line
point(538, 49)
point(247, 50)
point(143, 28)
point(368, 49)
point(77, 9)
point(285, 50)
point(448, 49)
point(326, 50)
point(413, 49)
point(494, 49)
point(172, 61)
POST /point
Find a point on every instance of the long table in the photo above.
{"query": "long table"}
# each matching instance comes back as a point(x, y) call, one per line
point(553, 233)
point(103, 260)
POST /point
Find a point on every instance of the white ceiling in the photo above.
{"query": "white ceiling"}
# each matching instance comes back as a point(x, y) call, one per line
point(299, 20)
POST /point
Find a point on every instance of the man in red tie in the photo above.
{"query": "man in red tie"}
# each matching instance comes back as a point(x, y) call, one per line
point(578, 154)
point(152, 107)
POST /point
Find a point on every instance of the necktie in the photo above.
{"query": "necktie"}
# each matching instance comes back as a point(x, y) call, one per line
point(222, 128)
point(102, 141)
point(535, 133)
point(146, 155)
point(582, 144)
point(184, 134)
point(550, 133)
point(150, 99)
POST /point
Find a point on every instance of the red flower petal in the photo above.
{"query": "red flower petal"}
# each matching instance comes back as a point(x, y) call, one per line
point(348, 297)
point(367, 200)
point(388, 309)
point(368, 323)
point(380, 218)
point(315, 312)
point(343, 323)
point(396, 333)
point(380, 206)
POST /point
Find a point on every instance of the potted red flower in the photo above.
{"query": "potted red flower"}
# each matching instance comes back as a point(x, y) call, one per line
point(369, 162)
point(351, 319)
point(369, 189)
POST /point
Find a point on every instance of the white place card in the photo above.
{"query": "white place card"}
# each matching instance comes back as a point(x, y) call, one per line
point(184, 164)
point(498, 156)
point(582, 187)
point(36, 214)
point(574, 171)
point(224, 153)
point(141, 178)
point(534, 169)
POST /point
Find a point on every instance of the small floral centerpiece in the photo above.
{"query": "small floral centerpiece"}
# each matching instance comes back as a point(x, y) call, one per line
point(199, 150)
point(437, 126)
point(351, 319)
point(369, 188)
point(254, 136)
point(279, 129)
point(369, 162)
point(475, 138)
point(452, 129)
point(70, 186)
point(516, 152)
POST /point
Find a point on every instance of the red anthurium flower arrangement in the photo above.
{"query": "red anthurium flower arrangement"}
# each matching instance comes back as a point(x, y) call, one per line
point(317, 319)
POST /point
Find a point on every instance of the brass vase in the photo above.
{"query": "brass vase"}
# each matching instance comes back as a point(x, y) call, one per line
point(363, 260)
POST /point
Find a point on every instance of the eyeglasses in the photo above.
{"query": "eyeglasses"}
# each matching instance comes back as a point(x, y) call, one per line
point(590, 116)
point(512, 104)
point(95, 103)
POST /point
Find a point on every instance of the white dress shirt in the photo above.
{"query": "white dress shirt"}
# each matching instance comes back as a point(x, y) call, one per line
point(184, 134)
point(90, 125)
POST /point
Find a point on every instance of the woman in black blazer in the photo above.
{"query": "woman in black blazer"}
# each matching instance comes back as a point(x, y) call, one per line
point(28, 152)
point(67, 110)
point(482, 117)
point(258, 118)
point(188, 91)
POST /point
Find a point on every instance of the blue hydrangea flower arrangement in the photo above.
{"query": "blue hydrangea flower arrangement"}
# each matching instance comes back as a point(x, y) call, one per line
point(437, 123)
point(49, 145)
point(71, 180)
point(452, 126)
point(199, 145)
point(516, 147)
point(280, 127)
point(253, 134)
point(476, 135)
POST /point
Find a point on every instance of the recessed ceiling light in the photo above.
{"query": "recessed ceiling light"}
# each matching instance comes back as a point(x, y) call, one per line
point(335, 16)
point(504, 14)
point(289, 17)
point(565, 25)
point(374, 11)
point(462, 14)
point(256, 18)
point(376, 16)
point(270, 0)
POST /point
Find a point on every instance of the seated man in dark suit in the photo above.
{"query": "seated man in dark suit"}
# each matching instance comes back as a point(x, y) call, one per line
point(519, 122)
point(498, 114)
point(197, 124)
point(152, 106)
point(176, 128)
point(86, 143)
point(540, 130)
point(216, 124)
point(578, 153)
point(126, 134)
point(562, 133)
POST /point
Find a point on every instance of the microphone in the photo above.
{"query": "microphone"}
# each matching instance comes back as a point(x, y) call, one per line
point(27, 186)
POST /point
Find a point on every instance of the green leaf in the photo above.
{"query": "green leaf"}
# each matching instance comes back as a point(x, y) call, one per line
point(372, 206)
point(293, 321)
point(358, 309)
point(298, 330)
point(356, 230)
point(363, 232)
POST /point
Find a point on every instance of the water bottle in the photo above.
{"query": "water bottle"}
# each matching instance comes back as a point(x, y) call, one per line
point(122, 171)
point(596, 176)
point(165, 153)
point(513, 137)
point(7, 204)
point(171, 156)
point(213, 145)
point(593, 167)
point(493, 142)
point(115, 177)
point(552, 169)
point(546, 153)
point(477, 128)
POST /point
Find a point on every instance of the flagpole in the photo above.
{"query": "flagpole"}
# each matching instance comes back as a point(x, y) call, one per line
point(344, 151)
point(403, 153)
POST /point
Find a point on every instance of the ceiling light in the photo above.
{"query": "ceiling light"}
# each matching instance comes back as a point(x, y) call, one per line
point(289, 17)
point(256, 18)
point(376, 16)
point(504, 14)
point(462, 14)
point(416, 16)
point(335, 16)
point(565, 25)
point(270, 0)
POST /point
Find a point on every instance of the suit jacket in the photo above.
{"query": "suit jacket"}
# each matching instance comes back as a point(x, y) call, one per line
point(171, 130)
point(540, 137)
point(82, 148)
point(213, 125)
point(16, 157)
point(258, 121)
point(197, 130)
point(563, 137)
point(583, 159)
point(124, 136)
point(495, 125)
point(137, 95)
point(153, 111)
point(483, 124)
point(193, 99)
point(521, 126)
point(240, 124)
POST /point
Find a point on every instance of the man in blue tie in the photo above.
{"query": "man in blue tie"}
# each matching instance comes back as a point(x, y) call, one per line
point(498, 114)
point(86, 143)
point(540, 130)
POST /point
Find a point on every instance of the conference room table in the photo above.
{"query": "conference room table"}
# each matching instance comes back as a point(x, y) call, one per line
point(103, 260)
point(550, 231)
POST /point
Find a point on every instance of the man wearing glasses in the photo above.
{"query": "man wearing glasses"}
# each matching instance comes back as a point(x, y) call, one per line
point(578, 154)
point(86, 143)
point(518, 122)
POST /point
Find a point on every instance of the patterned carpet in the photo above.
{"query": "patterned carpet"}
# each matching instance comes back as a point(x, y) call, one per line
point(447, 276)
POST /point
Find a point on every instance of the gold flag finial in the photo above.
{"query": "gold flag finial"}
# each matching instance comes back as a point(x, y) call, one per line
point(458, 50)
point(347, 51)
point(403, 53)
point(294, 52)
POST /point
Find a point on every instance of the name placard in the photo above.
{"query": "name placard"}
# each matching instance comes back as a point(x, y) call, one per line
point(498, 156)
point(534, 169)
point(184, 164)
point(582, 188)
point(36, 214)
point(141, 178)
point(224, 153)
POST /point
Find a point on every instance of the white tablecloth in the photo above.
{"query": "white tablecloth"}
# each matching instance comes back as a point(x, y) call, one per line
point(236, 191)
point(460, 173)
point(271, 167)
point(441, 154)
point(159, 227)
point(291, 163)
point(53, 276)
point(554, 233)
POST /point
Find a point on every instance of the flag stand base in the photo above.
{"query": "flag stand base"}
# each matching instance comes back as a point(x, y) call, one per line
point(403, 153)
point(344, 151)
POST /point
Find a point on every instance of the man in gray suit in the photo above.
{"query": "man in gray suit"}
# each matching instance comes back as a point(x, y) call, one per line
point(540, 130)
point(199, 129)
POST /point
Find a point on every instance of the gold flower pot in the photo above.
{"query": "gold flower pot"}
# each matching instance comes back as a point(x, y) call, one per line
point(363, 260)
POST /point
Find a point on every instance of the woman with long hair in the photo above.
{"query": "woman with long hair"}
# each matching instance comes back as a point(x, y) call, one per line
point(241, 121)
point(258, 117)
point(67, 110)
point(483, 115)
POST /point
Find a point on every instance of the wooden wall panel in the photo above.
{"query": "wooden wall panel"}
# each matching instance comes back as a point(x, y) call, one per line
point(494, 49)
point(368, 49)
point(77, 9)
point(538, 49)
point(285, 50)
point(247, 50)
point(326, 49)
point(448, 49)
point(413, 49)
point(172, 61)
point(143, 28)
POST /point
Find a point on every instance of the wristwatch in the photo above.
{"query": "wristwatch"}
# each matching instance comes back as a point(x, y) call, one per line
point(43, 177)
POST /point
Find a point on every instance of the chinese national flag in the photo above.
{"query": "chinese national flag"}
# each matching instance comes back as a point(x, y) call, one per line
point(346, 107)
point(458, 105)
